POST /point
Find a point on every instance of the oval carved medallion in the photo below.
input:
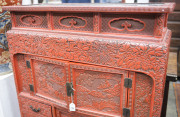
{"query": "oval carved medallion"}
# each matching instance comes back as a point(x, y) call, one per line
point(125, 23)
point(72, 22)
point(32, 20)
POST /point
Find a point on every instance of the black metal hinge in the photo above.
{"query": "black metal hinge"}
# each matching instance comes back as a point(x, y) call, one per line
point(127, 82)
point(31, 87)
point(126, 112)
point(69, 88)
point(28, 64)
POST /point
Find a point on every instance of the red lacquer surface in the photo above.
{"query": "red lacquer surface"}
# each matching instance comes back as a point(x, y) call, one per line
point(94, 48)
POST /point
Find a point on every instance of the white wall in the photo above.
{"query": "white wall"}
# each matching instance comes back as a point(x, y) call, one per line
point(9, 106)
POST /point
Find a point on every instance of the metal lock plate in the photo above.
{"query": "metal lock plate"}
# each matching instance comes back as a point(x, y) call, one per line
point(31, 87)
point(28, 64)
point(126, 112)
point(69, 88)
point(127, 82)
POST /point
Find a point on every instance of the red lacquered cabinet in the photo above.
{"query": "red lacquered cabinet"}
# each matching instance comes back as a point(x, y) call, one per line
point(109, 59)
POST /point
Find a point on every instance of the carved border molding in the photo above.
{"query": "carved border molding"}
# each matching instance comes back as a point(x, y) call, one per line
point(166, 7)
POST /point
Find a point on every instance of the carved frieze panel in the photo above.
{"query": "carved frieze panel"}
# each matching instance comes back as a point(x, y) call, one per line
point(30, 19)
point(72, 22)
point(139, 24)
point(75, 21)
point(135, 24)
point(122, 23)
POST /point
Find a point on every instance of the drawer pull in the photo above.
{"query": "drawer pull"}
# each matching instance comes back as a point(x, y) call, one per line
point(35, 110)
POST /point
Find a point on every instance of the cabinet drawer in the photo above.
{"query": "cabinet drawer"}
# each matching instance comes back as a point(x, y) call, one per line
point(32, 108)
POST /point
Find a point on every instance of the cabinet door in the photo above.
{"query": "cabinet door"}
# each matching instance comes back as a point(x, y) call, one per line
point(21, 71)
point(140, 95)
point(98, 90)
point(50, 77)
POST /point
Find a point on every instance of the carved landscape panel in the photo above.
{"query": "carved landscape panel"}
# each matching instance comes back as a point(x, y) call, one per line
point(98, 89)
point(50, 79)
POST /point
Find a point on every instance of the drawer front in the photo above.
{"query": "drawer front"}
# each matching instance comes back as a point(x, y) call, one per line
point(32, 108)
point(73, 21)
point(60, 113)
point(31, 20)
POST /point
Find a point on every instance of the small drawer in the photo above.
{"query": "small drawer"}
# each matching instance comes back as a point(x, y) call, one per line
point(32, 108)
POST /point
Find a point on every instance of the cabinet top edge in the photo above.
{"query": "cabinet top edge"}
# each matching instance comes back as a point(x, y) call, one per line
point(97, 7)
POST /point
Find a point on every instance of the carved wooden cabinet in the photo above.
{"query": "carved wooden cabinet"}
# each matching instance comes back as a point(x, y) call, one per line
point(109, 59)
